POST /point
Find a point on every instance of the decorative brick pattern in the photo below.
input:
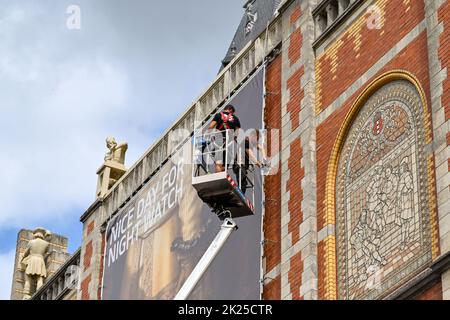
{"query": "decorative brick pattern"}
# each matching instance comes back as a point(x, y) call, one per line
point(272, 183)
point(295, 15)
point(295, 275)
point(87, 255)
point(413, 58)
point(290, 113)
point(360, 47)
point(85, 288)
point(295, 47)
point(90, 227)
point(272, 289)
point(298, 221)
point(91, 256)
point(296, 96)
point(100, 282)
point(295, 190)
point(438, 21)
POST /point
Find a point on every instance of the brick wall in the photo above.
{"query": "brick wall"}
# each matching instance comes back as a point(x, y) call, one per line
point(272, 185)
point(359, 48)
point(85, 288)
point(443, 52)
point(91, 257)
point(343, 70)
point(100, 280)
point(433, 293)
point(438, 22)
point(272, 289)
point(298, 268)
point(413, 59)
point(87, 255)
point(309, 93)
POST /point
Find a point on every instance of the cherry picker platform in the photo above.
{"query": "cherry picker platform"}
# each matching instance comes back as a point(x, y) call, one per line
point(229, 191)
point(222, 181)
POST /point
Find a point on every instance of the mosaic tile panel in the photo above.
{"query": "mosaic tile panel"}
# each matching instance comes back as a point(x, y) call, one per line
point(383, 226)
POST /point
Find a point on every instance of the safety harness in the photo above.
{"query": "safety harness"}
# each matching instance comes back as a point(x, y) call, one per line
point(225, 118)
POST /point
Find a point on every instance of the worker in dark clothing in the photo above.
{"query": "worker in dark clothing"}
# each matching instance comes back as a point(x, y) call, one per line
point(252, 143)
point(223, 121)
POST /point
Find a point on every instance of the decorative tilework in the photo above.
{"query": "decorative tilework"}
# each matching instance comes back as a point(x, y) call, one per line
point(383, 218)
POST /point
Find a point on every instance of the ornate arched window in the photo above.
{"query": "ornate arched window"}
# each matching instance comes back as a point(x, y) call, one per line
point(382, 215)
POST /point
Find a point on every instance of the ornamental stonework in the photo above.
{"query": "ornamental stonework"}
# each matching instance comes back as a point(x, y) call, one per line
point(383, 226)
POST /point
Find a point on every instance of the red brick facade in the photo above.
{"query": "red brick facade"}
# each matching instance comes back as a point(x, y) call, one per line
point(374, 44)
point(99, 294)
point(90, 227)
point(362, 47)
point(272, 289)
point(295, 275)
point(296, 193)
point(341, 64)
point(444, 57)
point(294, 50)
point(85, 288)
point(87, 255)
point(368, 46)
point(413, 59)
point(433, 293)
point(272, 183)
point(296, 95)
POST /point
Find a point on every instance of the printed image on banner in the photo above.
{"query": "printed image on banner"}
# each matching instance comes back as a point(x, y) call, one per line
point(154, 242)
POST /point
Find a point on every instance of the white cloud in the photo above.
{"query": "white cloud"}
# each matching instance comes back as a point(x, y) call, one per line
point(53, 151)
point(56, 110)
point(63, 92)
point(6, 272)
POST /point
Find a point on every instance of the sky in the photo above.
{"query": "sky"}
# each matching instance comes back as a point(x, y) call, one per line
point(128, 71)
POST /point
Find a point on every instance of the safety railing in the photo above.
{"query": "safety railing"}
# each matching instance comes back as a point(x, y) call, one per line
point(225, 151)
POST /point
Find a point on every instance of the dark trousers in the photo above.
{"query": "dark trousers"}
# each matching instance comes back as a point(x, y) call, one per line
point(243, 177)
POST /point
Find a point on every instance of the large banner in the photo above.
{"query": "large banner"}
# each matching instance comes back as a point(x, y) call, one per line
point(155, 241)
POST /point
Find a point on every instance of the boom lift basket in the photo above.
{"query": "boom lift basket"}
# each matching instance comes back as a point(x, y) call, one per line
point(229, 192)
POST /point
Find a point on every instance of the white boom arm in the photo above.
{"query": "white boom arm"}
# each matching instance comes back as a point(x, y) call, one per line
point(226, 229)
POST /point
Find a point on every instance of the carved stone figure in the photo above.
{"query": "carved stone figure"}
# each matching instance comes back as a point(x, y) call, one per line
point(34, 261)
point(116, 152)
point(113, 168)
